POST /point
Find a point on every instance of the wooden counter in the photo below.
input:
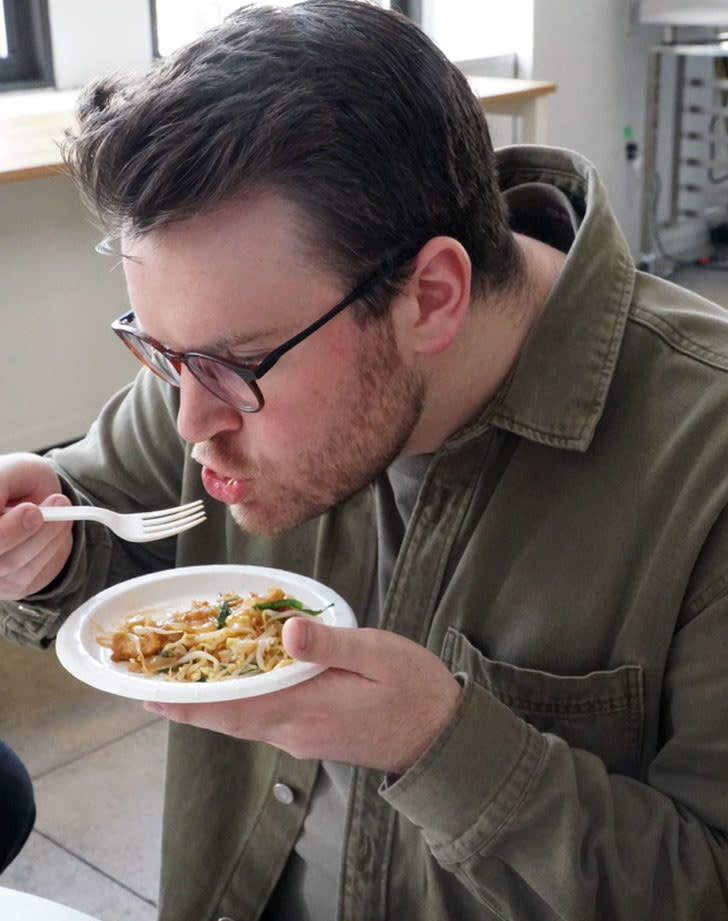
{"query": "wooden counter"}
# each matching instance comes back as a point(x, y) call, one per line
point(31, 125)
point(522, 99)
point(29, 145)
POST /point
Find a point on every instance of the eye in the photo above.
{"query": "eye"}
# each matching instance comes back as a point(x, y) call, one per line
point(249, 361)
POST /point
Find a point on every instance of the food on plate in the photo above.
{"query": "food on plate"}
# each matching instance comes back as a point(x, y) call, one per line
point(228, 638)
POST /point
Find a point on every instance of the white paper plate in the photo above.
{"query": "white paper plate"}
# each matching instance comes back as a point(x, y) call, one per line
point(20, 906)
point(81, 655)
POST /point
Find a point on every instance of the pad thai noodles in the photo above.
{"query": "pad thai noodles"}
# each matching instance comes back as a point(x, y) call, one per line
point(228, 638)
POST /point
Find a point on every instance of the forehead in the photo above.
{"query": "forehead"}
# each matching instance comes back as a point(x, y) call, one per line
point(249, 265)
point(269, 227)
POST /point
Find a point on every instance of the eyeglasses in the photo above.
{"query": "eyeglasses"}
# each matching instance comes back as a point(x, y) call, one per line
point(233, 382)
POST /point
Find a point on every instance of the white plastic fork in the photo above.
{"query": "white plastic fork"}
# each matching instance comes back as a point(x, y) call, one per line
point(140, 526)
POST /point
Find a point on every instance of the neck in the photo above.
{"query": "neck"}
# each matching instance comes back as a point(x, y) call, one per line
point(466, 376)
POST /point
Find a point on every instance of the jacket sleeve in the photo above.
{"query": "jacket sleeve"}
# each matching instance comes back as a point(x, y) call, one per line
point(538, 829)
point(131, 459)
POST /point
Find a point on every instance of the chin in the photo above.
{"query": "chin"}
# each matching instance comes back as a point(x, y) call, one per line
point(265, 523)
point(254, 522)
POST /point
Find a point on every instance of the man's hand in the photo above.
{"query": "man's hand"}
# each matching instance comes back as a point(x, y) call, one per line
point(379, 704)
point(32, 552)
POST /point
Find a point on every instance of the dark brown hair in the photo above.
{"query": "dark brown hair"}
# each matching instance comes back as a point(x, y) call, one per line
point(347, 109)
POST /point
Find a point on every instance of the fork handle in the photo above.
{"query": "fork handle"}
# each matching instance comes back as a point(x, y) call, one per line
point(68, 513)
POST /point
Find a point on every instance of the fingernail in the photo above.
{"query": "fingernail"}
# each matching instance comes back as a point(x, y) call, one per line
point(302, 634)
point(30, 520)
point(152, 707)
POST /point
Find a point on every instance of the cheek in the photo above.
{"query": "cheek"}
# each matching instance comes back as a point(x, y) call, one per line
point(308, 385)
point(300, 423)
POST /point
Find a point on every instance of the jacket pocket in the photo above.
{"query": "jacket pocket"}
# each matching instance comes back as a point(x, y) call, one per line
point(601, 712)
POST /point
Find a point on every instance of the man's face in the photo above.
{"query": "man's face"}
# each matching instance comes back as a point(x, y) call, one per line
point(339, 407)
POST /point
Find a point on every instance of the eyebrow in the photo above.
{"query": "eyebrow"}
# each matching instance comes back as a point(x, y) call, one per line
point(225, 343)
point(233, 342)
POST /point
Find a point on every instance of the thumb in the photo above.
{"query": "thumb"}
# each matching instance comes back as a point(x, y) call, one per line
point(309, 641)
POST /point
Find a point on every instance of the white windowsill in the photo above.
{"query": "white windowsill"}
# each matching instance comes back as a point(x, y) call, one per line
point(39, 101)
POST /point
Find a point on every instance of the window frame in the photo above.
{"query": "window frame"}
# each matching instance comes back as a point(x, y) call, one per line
point(29, 62)
point(411, 8)
point(155, 30)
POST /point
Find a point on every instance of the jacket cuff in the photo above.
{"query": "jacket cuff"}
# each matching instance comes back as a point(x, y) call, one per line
point(466, 786)
point(28, 626)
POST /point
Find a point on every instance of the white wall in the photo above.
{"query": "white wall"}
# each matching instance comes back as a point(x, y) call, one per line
point(686, 12)
point(596, 53)
point(60, 361)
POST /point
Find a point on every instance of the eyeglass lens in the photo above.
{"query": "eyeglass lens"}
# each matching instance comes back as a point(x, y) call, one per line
point(154, 359)
point(220, 380)
point(224, 382)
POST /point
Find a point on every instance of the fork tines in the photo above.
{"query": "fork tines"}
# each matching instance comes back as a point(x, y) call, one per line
point(180, 518)
point(174, 514)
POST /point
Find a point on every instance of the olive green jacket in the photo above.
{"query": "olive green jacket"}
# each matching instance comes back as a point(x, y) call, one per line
point(567, 557)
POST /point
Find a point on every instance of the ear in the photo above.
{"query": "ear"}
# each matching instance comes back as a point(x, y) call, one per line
point(438, 294)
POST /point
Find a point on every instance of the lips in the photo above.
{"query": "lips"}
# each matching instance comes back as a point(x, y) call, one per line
point(229, 490)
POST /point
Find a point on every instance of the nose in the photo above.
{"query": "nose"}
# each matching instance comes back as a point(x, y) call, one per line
point(201, 414)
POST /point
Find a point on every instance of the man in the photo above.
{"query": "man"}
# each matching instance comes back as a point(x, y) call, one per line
point(501, 444)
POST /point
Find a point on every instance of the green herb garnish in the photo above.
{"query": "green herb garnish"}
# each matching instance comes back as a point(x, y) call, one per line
point(223, 614)
point(283, 603)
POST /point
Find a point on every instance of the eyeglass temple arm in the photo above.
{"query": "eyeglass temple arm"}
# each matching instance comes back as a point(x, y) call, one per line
point(361, 289)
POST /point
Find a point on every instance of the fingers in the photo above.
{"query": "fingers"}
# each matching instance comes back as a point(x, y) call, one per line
point(337, 714)
point(32, 552)
point(260, 718)
point(26, 478)
point(223, 716)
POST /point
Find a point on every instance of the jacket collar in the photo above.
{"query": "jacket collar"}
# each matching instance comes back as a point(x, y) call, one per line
point(556, 391)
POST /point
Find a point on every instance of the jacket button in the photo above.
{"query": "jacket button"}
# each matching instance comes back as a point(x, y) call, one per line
point(283, 793)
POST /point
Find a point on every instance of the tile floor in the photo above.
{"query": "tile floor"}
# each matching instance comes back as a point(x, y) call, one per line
point(97, 763)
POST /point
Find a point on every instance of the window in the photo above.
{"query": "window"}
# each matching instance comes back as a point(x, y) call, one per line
point(25, 56)
point(473, 29)
point(176, 22)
